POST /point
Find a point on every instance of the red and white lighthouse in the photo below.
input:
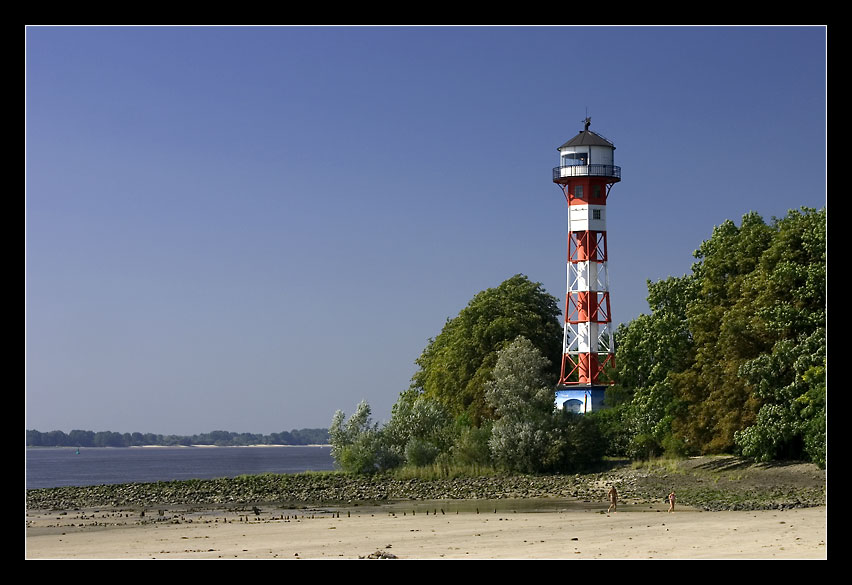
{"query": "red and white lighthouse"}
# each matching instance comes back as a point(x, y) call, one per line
point(586, 173)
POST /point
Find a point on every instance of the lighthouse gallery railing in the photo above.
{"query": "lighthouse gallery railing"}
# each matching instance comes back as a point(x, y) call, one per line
point(586, 171)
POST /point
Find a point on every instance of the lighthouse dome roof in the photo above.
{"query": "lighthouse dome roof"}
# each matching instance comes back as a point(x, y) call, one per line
point(588, 138)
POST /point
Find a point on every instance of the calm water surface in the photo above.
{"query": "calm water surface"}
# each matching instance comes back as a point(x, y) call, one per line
point(62, 466)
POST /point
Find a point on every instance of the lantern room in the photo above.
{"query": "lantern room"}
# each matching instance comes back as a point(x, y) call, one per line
point(587, 154)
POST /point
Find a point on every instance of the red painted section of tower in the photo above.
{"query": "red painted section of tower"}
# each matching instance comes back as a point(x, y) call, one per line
point(587, 307)
point(587, 245)
point(594, 190)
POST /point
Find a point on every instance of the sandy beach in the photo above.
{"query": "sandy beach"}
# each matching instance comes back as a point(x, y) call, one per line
point(638, 531)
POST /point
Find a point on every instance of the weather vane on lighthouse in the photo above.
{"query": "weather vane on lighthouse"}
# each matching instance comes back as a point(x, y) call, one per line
point(586, 174)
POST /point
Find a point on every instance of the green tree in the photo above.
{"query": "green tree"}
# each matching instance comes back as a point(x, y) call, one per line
point(108, 439)
point(648, 350)
point(471, 446)
point(420, 428)
point(455, 366)
point(523, 402)
point(81, 438)
point(354, 443)
point(577, 442)
point(34, 438)
point(732, 356)
point(789, 379)
point(529, 435)
point(717, 402)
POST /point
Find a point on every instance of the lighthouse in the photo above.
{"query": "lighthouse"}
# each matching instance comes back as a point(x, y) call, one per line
point(586, 174)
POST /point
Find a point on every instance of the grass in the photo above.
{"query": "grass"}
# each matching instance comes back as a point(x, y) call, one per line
point(667, 464)
point(441, 471)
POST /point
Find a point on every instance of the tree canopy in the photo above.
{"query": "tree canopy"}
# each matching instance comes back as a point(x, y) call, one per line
point(732, 356)
point(455, 366)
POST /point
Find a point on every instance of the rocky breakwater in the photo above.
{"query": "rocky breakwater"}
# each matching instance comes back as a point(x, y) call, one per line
point(310, 489)
point(709, 483)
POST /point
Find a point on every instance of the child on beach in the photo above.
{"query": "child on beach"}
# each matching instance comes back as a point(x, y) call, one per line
point(613, 499)
point(671, 501)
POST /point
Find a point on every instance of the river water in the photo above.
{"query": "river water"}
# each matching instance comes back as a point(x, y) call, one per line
point(64, 466)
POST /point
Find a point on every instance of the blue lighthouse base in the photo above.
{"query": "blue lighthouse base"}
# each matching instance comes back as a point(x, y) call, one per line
point(580, 399)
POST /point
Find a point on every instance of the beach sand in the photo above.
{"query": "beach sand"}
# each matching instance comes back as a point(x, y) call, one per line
point(634, 532)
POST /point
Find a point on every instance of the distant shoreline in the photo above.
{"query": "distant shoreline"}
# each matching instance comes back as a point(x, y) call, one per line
point(170, 446)
point(215, 446)
point(92, 439)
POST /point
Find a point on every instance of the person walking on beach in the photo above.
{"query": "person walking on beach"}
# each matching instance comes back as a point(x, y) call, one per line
point(671, 501)
point(613, 499)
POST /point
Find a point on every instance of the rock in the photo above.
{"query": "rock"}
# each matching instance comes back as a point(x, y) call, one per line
point(706, 488)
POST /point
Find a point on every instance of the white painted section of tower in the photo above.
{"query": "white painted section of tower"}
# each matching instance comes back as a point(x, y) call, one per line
point(605, 339)
point(587, 276)
point(583, 218)
point(603, 271)
point(587, 337)
point(596, 155)
point(570, 339)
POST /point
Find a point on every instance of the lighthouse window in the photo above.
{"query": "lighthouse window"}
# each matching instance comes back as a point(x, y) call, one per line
point(596, 191)
point(578, 191)
point(596, 214)
point(574, 158)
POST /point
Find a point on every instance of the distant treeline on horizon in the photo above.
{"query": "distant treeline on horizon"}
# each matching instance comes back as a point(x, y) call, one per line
point(78, 438)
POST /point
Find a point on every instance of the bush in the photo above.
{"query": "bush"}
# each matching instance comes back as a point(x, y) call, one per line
point(531, 436)
point(471, 446)
point(577, 442)
point(420, 452)
point(354, 442)
point(613, 425)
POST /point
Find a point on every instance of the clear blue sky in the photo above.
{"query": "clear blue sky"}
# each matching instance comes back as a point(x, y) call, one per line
point(248, 228)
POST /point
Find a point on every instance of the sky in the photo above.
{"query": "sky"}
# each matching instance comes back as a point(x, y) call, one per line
point(249, 228)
